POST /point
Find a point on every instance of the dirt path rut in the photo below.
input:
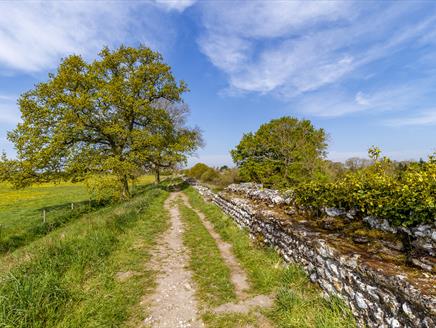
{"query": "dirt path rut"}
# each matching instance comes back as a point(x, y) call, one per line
point(238, 276)
point(173, 305)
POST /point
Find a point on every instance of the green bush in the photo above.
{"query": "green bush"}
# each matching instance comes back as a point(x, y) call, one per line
point(209, 175)
point(219, 178)
point(197, 170)
point(405, 197)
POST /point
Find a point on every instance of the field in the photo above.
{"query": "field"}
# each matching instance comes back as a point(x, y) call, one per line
point(22, 217)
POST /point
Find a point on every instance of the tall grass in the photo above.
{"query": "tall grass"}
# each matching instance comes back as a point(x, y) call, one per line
point(71, 281)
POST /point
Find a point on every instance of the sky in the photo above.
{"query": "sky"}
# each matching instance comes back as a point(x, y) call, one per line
point(364, 71)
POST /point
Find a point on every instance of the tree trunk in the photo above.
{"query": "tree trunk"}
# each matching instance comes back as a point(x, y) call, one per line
point(125, 193)
point(157, 175)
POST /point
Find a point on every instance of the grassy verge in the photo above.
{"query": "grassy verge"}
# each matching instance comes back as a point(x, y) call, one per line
point(209, 270)
point(298, 302)
point(92, 275)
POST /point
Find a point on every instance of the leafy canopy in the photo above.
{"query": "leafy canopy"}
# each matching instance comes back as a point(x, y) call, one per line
point(115, 115)
point(281, 153)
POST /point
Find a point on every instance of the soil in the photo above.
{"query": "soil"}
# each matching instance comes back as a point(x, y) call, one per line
point(173, 304)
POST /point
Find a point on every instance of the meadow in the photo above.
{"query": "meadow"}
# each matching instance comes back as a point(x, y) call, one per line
point(29, 213)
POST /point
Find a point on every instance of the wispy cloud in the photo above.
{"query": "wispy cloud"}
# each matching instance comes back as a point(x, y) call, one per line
point(333, 102)
point(178, 5)
point(290, 48)
point(424, 118)
point(34, 35)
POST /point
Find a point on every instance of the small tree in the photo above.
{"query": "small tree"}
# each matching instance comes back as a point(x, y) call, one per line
point(101, 117)
point(283, 152)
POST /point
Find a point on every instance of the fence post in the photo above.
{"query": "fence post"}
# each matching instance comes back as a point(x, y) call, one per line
point(43, 215)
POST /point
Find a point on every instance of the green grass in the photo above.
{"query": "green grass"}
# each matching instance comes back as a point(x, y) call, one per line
point(298, 302)
point(209, 270)
point(21, 211)
point(70, 279)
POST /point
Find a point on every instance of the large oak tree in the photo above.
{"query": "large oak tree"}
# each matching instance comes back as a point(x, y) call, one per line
point(119, 113)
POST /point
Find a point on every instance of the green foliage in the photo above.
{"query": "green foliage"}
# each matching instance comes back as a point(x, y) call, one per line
point(197, 170)
point(103, 187)
point(209, 175)
point(115, 115)
point(405, 197)
point(218, 178)
point(281, 153)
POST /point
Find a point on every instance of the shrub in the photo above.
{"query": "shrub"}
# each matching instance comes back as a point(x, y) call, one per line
point(406, 197)
point(219, 178)
point(197, 170)
point(209, 175)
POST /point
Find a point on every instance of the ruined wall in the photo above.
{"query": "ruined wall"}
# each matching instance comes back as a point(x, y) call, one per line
point(378, 296)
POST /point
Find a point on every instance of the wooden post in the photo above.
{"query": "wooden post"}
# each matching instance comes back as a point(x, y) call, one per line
point(43, 216)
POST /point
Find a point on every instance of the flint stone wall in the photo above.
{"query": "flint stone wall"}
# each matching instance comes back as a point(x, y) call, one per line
point(423, 236)
point(376, 299)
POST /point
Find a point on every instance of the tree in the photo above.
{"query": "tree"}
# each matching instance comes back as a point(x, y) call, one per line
point(280, 153)
point(170, 143)
point(102, 117)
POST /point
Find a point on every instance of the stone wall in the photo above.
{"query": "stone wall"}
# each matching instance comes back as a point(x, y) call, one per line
point(380, 293)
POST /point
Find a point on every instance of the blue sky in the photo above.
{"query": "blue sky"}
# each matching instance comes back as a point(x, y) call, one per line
point(364, 71)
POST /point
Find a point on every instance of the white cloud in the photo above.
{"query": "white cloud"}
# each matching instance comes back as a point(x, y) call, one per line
point(35, 35)
point(178, 5)
point(424, 118)
point(394, 98)
point(268, 19)
point(292, 47)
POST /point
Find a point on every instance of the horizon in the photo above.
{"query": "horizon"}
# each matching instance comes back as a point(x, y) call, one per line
point(364, 72)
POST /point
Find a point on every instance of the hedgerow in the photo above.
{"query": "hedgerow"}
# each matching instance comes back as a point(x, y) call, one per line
point(405, 197)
